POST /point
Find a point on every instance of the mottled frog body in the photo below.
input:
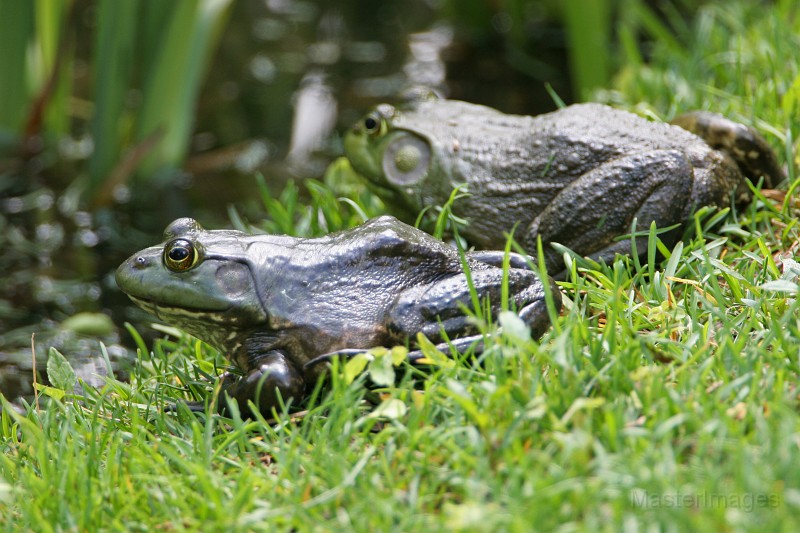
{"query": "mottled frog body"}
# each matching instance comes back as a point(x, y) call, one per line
point(578, 176)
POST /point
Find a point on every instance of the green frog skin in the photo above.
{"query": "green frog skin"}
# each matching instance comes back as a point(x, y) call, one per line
point(578, 176)
point(275, 304)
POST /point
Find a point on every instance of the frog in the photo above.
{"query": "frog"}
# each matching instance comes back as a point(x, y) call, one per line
point(278, 305)
point(580, 176)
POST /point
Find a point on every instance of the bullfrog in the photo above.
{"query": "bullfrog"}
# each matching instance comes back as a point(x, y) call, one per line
point(274, 304)
point(578, 176)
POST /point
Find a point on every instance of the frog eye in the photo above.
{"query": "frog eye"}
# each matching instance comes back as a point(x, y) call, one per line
point(180, 255)
point(373, 124)
point(406, 160)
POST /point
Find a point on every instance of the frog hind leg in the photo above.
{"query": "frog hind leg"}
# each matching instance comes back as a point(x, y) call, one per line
point(434, 308)
point(271, 377)
point(751, 152)
point(591, 213)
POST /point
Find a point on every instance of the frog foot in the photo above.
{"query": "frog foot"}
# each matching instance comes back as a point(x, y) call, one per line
point(271, 381)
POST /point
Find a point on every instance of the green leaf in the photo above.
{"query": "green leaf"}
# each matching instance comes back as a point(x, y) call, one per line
point(173, 82)
point(588, 26)
point(432, 354)
point(381, 370)
point(94, 324)
point(114, 61)
point(399, 355)
point(391, 408)
point(582, 404)
point(59, 371)
point(56, 394)
point(780, 285)
point(513, 326)
point(340, 170)
point(355, 366)
point(16, 32)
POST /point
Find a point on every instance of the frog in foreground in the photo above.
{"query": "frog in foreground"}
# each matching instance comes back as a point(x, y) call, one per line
point(274, 304)
point(577, 176)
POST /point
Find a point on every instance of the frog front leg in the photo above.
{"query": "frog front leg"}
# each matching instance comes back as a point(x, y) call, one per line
point(590, 212)
point(269, 376)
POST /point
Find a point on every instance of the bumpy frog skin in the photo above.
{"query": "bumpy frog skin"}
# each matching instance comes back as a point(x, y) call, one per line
point(578, 176)
point(274, 304)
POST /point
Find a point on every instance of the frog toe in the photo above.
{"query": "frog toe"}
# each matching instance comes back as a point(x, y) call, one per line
point(751, 152)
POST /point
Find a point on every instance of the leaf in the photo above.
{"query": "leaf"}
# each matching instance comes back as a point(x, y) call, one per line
point(59, 371)
point(391, 408)
point(780, 285)
point(94, 324)
point(56, 394)
point(355, 366)
point(17, 30)
point(381, 370)
point(513, 326)
point(588, 27)
point(399, 355)
point(432, 355)
point(173, 79)
point(115, 35)
point(340, 170)
point(791, 269)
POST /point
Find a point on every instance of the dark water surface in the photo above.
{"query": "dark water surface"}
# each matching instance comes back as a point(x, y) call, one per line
point(288, 77)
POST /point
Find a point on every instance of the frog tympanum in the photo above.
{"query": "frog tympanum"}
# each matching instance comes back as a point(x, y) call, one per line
point(274, 304)
point(578, 176)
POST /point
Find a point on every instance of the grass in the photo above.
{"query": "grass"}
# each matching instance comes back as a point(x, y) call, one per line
point(160, 50)
point(664, 398)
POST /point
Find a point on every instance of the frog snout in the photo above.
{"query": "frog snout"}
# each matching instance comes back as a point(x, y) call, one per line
point(139, 262)
point(135, 263)
point(129, 274)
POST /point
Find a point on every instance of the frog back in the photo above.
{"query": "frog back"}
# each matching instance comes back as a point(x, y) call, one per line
point(336, 291)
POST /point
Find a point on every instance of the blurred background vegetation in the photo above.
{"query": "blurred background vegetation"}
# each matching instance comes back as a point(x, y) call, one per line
point(119, 116)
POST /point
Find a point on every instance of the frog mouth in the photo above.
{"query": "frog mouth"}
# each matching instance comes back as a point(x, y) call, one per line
point(178, 314)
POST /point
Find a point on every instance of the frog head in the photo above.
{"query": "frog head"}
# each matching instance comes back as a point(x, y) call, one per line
point(402, 154)
point(201, 281)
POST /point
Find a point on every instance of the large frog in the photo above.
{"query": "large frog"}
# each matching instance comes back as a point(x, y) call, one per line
point(578, 176)
point(274, 304)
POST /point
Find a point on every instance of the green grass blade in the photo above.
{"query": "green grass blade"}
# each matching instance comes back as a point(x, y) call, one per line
point(16, 32)
point(54, 65)
point(588, 26)
point(114, 61)
point(173, 81)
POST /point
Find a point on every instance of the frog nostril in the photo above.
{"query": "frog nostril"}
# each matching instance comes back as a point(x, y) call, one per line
point(140, 262)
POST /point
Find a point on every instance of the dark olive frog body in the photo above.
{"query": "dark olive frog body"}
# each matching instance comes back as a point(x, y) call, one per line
point(275, 303)
point(578, 176)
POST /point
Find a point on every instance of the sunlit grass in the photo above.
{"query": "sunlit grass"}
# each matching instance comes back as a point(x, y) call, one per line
point(675, 383)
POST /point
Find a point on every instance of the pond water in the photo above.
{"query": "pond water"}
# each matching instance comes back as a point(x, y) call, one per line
point(287, 78)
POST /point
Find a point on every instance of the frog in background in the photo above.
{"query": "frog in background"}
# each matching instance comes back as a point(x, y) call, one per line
point(578, 176)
